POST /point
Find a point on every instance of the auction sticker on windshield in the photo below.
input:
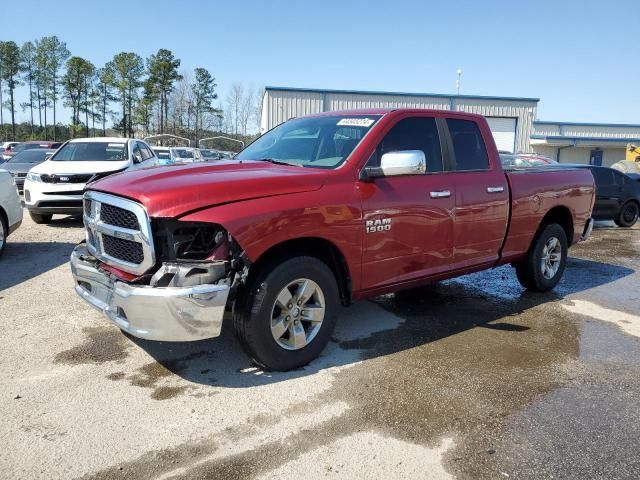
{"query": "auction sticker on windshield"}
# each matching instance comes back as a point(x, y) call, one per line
point(356, 122)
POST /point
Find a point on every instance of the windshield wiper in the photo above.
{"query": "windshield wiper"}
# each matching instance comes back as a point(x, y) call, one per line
point(278, 162)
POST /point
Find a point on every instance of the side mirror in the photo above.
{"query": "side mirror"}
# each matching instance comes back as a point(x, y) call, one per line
point(48, 156)
point(404, 162)
point(137, 158)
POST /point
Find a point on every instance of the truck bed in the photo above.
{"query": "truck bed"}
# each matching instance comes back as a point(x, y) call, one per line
point(534, 192)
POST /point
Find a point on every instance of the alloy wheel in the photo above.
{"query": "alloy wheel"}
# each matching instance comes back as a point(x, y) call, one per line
point(297, 314)
point(551, 258)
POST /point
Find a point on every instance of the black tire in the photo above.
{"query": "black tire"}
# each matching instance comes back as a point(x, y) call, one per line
point(4, 233)
point(530, 269)
point(628, 215)
point(39, 218)
point(254, 306)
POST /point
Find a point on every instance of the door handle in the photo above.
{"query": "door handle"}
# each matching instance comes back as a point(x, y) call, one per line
point(495, 189)
point(441, 194)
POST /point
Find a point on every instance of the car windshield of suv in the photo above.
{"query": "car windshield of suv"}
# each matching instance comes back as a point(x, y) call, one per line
point(30, 156)
point(317, 142)
point(92, 152)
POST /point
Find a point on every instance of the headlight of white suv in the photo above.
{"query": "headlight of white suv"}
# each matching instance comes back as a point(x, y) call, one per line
point(34, 177)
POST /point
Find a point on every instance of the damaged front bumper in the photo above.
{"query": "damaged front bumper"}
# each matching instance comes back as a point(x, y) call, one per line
point(175, 314)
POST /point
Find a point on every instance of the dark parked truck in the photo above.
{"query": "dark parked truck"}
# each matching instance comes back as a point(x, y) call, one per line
point(320, 211)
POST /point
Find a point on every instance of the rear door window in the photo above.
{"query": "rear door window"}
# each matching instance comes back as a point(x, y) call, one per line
point(603, 177)
point(469, 150)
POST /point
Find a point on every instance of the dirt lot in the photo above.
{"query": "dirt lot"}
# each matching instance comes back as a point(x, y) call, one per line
point(471, 378)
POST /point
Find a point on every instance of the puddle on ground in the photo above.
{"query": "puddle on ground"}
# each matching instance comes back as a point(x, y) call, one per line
point(101, 345)
point(153, 373)
point(587, 430)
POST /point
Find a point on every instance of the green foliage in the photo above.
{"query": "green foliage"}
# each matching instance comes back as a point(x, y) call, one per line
point(27, 56)
point(163, 73)
point(54, 53)
point(76, 83)
point(10, 68)
point(146, 97)
point(203, 90)
point(127, 69)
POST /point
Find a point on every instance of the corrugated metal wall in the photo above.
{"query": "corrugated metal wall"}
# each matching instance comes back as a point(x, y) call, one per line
point(524, 112)
point(588, 130)
point(341, 101)
point(279, 105)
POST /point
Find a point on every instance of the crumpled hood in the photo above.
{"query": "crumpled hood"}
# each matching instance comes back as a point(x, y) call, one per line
point(172, 191)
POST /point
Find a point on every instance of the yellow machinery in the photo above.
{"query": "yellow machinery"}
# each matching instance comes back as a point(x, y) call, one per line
point(633, 153)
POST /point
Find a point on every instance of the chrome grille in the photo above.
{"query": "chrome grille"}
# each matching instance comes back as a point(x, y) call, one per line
point(118, 232)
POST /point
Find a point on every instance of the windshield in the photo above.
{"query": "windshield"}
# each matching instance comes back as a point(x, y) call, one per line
point(515, 161)
point(317, 142)
point(30, 156)
point(21, 147)
point(92, 152)
point(163, 154)
point(183, 153)
point(209, 153)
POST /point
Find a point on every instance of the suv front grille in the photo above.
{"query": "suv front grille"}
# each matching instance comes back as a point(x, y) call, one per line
point(118, 217)
point(118, 232)
point(63, 178)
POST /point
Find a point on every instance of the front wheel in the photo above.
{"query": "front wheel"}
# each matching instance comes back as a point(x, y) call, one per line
point(286, 313)
point(628, 215)
point(545, 262)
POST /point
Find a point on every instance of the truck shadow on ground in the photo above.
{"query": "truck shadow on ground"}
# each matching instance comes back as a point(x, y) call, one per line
point(73, 221)
point(23, 261)
point(389, 324)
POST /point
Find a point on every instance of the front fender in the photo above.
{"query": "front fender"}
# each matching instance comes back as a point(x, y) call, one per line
point(260, 224)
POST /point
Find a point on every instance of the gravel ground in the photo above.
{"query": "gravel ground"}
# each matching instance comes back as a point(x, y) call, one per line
point(471, 378)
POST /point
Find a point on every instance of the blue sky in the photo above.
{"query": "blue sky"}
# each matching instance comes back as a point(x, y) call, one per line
point(581, 58)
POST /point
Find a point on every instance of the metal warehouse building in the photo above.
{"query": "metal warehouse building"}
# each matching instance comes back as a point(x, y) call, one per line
point(593, 143)
point(511, 119)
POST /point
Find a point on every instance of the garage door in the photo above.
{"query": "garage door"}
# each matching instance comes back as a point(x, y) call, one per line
point(504, 132)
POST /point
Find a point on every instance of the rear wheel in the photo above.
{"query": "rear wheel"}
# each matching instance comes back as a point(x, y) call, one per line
point(628, 215)
point(545, 262)
point(285, 315)
point(40, 219)
point(4, 233)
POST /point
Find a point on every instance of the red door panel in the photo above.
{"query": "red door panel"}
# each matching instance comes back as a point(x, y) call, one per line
point(411, 234)
point(481, 216)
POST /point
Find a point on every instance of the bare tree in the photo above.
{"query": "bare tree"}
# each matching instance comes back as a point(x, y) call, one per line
point(235, 102)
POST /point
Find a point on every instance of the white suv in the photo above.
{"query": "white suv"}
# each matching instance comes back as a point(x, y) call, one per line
point(56, 186)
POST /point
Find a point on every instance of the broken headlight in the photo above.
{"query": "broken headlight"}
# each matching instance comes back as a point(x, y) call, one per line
point(189, 241)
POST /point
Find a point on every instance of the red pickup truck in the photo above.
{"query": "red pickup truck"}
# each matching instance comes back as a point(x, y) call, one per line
point(320, 211)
